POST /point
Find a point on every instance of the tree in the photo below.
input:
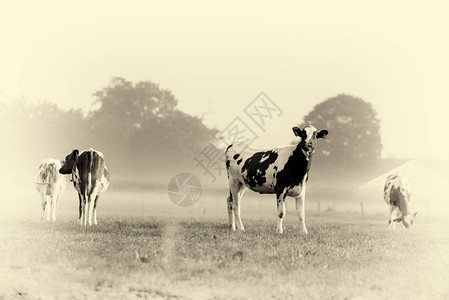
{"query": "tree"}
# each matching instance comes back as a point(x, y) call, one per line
point(134, 104)
point(136, 125)
point(354, 137)
point(142, 125)
point(34, 131)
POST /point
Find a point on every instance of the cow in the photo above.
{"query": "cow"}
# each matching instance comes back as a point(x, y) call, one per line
point(50, 184)
point(398, 195)
point(282, 171)
point(90, 177)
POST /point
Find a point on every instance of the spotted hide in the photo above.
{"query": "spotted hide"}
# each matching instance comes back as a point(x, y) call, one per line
point(282, 171)
point(50, 184)
point(398, 195)
point(90, 178)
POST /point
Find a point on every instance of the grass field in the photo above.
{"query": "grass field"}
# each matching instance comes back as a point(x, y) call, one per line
point(151, 255)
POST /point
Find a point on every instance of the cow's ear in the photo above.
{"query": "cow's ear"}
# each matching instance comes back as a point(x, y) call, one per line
point(322, 134)
point(75, 153)
point(298, 132)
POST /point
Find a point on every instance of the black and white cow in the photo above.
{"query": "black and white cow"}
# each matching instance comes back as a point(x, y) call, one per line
point(398, 195)
point(282, 171)
point(90, 178)
point(50, 184)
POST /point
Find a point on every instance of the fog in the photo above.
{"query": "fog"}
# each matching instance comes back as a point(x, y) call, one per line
point(185, 75)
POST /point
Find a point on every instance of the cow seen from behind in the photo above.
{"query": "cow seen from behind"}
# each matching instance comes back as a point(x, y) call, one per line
point(50, 184)
point(90, 177)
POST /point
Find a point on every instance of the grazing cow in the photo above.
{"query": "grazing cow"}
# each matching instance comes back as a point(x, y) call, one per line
point(90, 178)
point(398, 195)
point(281, 171)
point(50, 184)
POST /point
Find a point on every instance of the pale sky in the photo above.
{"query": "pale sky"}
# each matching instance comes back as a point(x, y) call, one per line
point(217, 57)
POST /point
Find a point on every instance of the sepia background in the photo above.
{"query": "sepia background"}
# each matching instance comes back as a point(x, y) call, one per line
point(156, 86)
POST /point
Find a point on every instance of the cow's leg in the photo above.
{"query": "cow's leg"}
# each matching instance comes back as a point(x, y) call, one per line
point(95, 210)
point(91, 204)
point(48, 208)
point(393, 216)
point(237, 190)
point(43, 210)
point(230, 212)
point(240, 195)
point(88, 211)
point(89, 207)
point(300, 210)
point(54, 203)
point(84, 209)
point(44, 206)
point(280, 202)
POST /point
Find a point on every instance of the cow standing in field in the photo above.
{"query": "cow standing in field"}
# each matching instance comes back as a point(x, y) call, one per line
point(282, 171)
point(90, 178)
point(398, 195)
point(50, 184)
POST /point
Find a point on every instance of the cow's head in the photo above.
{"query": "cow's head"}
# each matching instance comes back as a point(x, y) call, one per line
point(68, 162)
point(309, 136)
point(407, 219)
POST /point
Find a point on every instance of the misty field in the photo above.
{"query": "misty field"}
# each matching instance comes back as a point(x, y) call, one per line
point(132, 256)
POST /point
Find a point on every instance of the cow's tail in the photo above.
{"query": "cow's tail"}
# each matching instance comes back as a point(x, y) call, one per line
point(96, 171)
point(227, 150)
point(89, 174)
point(53, 174)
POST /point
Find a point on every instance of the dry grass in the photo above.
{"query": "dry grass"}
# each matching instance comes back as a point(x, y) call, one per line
point(147, 257)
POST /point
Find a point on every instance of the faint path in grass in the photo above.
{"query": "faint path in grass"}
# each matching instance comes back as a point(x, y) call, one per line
point(171, 230)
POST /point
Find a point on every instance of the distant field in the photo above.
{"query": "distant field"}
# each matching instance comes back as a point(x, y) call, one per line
point(150, 251)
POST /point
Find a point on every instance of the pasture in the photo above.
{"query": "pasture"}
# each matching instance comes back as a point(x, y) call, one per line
point(150, 249)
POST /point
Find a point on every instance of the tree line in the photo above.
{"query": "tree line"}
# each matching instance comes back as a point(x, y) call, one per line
point(136, 125)
point(141, 131)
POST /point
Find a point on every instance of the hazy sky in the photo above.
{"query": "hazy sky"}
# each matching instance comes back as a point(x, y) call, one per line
point(218, 57)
